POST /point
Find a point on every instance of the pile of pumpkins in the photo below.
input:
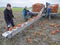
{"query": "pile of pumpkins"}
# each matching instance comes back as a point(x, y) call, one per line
point(37, 7)
point(54, 8)
point(10, 29)
point(55, 31)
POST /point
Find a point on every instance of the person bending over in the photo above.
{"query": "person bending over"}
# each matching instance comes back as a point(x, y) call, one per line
point(25, 14)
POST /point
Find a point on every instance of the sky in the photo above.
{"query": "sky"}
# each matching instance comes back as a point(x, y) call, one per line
point(29, 3)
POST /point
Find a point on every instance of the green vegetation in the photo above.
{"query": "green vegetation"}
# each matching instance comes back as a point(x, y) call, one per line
point(1, 9)
point(20, 9)
point(59, 10)
point(15, 9)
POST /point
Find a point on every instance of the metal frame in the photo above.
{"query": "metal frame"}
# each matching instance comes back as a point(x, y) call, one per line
point(51, 14)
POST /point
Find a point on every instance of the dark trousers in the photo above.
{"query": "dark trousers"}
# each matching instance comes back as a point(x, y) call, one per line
point(25, 18)
point(49, 16)
point(8, 22)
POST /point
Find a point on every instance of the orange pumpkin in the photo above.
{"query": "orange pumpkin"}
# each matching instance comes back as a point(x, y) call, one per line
point(57, 30)
point(28, 39)
point(31, 26)
point(30, 19)
point(41, 25)
point(44, 21)
point(10, 29)
point(44, 28)
point(53, 32)
point(35, 17)
point(19, 25)
point(57, 25)
point(35, 33)
point(14, 27)
point(40, 33)
point(53, 24)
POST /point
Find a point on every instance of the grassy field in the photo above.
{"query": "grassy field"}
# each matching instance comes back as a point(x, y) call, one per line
point(20, 9)
point(59, 10)
point(14, 9)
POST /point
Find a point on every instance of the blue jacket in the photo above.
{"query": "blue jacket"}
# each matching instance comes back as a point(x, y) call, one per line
point(48, 10)
point(24, 12)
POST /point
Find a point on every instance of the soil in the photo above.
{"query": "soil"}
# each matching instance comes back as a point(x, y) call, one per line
point(42, 28)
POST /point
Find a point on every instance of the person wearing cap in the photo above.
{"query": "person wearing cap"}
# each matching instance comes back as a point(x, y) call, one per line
point(8, 16)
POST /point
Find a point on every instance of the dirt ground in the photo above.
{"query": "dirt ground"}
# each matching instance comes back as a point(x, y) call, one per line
point(37, 34)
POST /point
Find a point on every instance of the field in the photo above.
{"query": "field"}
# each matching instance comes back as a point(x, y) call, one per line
point(40, 32)
point(14, 9)
point(59, 10)
point(20, 9)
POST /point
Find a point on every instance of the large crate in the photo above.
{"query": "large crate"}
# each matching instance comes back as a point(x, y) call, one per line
point(37, 7)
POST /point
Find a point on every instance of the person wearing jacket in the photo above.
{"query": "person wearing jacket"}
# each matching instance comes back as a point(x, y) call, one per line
point(48, 12)
point(8, 16)
point(25, 13)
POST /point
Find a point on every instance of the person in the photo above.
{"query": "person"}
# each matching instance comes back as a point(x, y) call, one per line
point(47, 4)
point(25, 14)
point(8, 16)
point(48, 12)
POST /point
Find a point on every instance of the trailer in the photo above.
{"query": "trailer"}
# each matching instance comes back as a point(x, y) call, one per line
point(51, 13)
